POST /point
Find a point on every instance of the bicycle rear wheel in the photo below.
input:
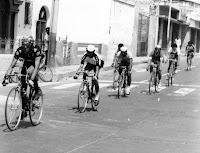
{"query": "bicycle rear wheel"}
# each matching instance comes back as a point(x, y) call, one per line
point(36, 107)
point(82, 97)
point(156, 83)
point(13, 109)
point(45, 74)
point(94, 105)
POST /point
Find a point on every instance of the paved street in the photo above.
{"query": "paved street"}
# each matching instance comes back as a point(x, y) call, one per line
point(164, 122)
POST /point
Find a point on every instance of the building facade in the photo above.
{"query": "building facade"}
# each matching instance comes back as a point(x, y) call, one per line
point(184, 22)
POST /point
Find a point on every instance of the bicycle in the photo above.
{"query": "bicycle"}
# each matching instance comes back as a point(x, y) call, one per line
point(17, 104)
point(170, 77)
point(189, 61)
point(153, 81)
point(87, 93)
point(122, 81)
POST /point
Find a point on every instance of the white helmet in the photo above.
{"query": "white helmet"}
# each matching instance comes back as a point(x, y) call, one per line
point(90, 48)
point(28, 39)
point(123, 49)
point(158, 46)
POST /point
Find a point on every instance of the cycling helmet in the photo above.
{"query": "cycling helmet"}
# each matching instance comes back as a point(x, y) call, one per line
point(123, 49)
point(27, 39)
point(158, 46)
point(120, 45)
point(90, 48)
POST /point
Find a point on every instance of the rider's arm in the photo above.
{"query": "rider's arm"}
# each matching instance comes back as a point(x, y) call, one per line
point(37, 64)
point(14, 61)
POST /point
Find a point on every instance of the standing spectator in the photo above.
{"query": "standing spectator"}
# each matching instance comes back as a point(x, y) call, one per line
point(178, 43)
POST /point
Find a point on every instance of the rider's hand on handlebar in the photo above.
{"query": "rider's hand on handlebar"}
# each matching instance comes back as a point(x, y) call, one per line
point(76, 76)
point(31, 82)
point(5, 80)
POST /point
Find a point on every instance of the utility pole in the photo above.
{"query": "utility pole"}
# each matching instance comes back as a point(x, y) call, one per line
point(168, 26)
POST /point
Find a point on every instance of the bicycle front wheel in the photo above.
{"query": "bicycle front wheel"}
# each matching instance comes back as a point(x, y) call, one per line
point(36, 108)
point(120, 85)
point(13, 109)
point(150, 83)
point(115, 79)
point(82, 97)
point(45, 74)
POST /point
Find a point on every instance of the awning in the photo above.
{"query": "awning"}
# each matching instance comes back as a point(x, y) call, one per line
point(173, 20)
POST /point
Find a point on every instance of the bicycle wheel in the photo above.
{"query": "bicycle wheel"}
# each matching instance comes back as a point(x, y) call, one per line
point(151, 82)
point(36, 107)
point(13, 109)
point(115, 79)
point(120, 85)
point(156, 82)
point(94, 105)
point(45, 74)
point(82, 97)
point(189, 63)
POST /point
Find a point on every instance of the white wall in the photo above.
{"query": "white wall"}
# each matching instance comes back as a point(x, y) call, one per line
point(121, 27)
point(84, 20)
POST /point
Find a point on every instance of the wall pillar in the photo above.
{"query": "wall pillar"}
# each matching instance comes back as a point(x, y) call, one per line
point(161, 33)
point(53, 32)
point(7, 48)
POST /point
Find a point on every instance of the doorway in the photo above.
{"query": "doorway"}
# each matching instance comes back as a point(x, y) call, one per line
point(40, 27)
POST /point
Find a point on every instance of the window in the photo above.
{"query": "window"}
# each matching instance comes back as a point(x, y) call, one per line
point(27, 16)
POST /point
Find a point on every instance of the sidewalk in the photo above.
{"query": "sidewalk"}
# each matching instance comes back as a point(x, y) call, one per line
point(60, 72)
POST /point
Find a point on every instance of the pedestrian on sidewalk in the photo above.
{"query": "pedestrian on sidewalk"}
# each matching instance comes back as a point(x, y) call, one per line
point(178, 43)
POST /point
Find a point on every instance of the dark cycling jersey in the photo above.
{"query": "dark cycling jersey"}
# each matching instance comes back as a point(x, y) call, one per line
point(173, 55)
point(93, 61)
point(28, 56)
point(156, 56)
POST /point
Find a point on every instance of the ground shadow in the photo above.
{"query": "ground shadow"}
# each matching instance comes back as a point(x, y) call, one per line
point(22, 125)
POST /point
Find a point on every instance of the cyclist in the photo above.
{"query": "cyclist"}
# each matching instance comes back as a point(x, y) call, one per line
point(32, 56)
point(124, 58)
point(156, 56)
point(90, 61)
point(189, 50)
point(172, 54)
point(115, 56)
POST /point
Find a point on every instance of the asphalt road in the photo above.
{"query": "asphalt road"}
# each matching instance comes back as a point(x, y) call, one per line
point(164, 122)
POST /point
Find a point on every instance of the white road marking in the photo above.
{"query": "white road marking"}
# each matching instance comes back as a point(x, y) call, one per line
point(113, 90)
point(104, 85)
point(182, 92)
point(65, 86)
